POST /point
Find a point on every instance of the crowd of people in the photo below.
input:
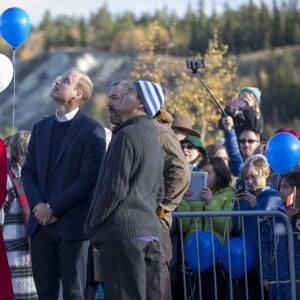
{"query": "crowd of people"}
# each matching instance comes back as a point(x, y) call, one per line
point(85, 207)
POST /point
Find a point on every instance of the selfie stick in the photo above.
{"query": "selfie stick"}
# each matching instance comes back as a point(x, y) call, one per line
point(194, 64)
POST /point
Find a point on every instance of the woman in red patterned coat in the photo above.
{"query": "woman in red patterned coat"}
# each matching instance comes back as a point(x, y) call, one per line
point(6, 291)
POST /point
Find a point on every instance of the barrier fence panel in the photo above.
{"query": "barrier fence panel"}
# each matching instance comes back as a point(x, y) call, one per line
point(254, 245)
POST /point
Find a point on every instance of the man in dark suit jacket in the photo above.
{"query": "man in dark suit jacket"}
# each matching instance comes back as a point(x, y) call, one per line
point(61, 168)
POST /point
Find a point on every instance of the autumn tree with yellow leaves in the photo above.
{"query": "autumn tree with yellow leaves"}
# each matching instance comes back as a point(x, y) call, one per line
point(184, 91)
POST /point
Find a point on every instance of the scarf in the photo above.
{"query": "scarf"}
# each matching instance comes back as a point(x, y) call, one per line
point(20, 194)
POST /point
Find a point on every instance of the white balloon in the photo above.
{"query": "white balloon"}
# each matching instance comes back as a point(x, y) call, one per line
point(6, 72)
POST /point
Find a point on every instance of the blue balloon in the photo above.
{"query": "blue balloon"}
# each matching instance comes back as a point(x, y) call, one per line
point(283, 152)
point(198, 250)
point(14, 26)
point(241, 260)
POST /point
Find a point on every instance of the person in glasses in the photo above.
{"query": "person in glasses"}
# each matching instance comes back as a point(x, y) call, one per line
point(239, 147)
point(248, 141)
point(193, 151)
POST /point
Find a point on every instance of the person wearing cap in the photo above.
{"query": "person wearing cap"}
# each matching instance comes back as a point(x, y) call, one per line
point(122, 220)
point(250, 95)
point(245, 110)
point(176, 181)
point(182, 126)
point(243, 127)
point(193, 150)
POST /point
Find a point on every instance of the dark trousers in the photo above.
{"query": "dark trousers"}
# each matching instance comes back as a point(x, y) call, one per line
point(175, 272)
point(239, 288)
point(209, 284)
point(54, 259)
point(131, 269)
point(93, 273)
point(166, 251)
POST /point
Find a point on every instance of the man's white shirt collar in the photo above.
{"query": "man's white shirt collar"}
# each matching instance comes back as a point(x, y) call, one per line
point(66, 117)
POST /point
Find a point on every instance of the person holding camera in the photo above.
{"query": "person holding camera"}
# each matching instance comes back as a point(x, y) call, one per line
point(254, 194)
point(245, 110)
point(242, 127)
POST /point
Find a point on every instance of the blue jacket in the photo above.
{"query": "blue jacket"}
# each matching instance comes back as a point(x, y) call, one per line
point(235, 158)
point(275, 258)
point(250, 222)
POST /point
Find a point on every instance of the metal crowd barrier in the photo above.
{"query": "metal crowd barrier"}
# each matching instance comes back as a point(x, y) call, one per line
point(272, 215)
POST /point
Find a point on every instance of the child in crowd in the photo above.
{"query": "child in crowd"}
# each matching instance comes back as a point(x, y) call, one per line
point(219, 151)
point(216, 196)
point(245, 110)
point(276, 273)
point(255, 173)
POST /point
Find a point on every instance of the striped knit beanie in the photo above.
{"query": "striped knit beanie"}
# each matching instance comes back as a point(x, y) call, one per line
point(151, 95)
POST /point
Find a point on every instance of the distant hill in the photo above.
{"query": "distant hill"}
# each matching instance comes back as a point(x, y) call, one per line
point(250, 63)
point(34, 78)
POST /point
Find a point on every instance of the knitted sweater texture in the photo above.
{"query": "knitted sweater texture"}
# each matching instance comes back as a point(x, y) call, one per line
point(130, 185)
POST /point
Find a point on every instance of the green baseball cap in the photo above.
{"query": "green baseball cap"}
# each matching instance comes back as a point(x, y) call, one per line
point(196, 142)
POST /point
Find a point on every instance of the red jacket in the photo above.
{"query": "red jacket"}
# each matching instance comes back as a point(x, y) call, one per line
point(6, 291)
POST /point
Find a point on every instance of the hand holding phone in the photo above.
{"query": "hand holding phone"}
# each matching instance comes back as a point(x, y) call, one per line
point(240, 186)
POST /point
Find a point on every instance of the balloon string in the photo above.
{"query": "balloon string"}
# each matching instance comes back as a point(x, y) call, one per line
point(14, 91)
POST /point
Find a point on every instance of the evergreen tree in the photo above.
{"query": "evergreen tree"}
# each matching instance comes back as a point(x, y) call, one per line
point(278, 26)
point(101, 29)
point(264, 27)
point(280, 103)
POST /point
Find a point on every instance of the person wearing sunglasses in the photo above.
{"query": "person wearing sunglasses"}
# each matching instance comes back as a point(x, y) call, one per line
point(248, 140)
point(193, 151)
point(239, 146)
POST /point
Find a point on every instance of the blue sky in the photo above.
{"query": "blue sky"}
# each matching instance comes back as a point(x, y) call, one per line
point(36, 8)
